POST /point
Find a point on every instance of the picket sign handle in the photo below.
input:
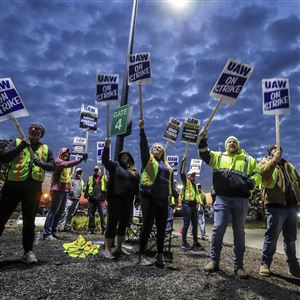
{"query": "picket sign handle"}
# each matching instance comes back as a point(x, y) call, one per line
point(166, 145)
point(141, 101)
point(205, 128)
point(277, 131)
point(74, 168)
point(107, 120)
point(19, 129)
point(185, 153)
point(86, 140)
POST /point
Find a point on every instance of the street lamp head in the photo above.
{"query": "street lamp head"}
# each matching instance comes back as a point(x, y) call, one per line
point(178, 4)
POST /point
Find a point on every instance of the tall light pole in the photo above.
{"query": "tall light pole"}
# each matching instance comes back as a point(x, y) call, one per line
point(125, 88)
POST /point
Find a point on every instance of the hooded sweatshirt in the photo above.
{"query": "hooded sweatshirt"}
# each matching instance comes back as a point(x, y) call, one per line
point(61, 164)
point(121, 182)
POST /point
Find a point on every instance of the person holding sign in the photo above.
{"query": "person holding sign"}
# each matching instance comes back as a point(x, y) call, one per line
point(281, 195)
point(123, 186)
point(235, 174)
point(60, 187)
point(190, 199)
point(156, 187)
point(24, 184)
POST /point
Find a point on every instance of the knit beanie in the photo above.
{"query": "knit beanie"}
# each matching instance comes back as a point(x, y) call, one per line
point(232, 138)
point(40, 126)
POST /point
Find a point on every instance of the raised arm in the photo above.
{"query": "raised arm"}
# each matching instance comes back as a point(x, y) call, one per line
point(145, 155)
point(108, 164)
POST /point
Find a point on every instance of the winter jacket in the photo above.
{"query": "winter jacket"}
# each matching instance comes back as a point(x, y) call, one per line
point(9, 150)
point(121, 183)
point(77, 188)
point(57, 183)
point(275, 184)
point(15, 151)
point(234, 174)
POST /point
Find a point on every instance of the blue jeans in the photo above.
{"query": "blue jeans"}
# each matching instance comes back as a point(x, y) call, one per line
point(201, 222)
point(189, 214)
point(285, 220)
point(237, 207)
point(57, 208)
point(93, 206)
point(170, 219)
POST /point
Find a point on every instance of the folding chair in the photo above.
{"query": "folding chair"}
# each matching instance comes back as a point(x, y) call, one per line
point(134, 228)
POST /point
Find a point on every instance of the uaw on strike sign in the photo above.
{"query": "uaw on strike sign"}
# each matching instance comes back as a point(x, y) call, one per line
point(139, 70)
point(231, 81)
point(276, 96)
point(107, 86)
point(88, 117)
point(11, 104)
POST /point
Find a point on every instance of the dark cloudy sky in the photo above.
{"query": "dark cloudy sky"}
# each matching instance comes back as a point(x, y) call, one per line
point(53, 49)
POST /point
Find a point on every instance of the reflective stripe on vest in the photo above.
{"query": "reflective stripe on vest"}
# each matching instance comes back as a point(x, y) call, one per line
point(20, 167)
point(191, 192)
point(150, 172)
point(245, 168)
point(103, 184)
point(65, 176)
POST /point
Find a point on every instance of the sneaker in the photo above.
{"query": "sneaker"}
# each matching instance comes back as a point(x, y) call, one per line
point(294, 270)
point(264, 270)
point(56, 236)
point(241, 273)
point(197, 247)
point(49, 237)
point(29, 258)
point(160, 261)
point(186, 246)
point(204, 238)
point(211, 267)
point(118, 253)
point(107, 255)
point(143, 261)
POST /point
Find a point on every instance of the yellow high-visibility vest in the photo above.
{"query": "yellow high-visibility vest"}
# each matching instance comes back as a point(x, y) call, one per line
point(103, 184)
point(192, 193)
point(20, 167)
point(150, 172)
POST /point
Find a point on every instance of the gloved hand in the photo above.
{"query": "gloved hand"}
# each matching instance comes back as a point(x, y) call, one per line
point(38, 162)
point(25, 143)
point(84, 157)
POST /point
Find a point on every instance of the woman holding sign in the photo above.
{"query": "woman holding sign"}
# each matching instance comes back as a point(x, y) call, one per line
point(156, 187)
point(122, 187)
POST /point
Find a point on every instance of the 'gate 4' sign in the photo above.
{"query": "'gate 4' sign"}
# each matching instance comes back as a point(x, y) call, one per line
point(276, 96)
point(107, 87)
point(231, 81)
point(173, 162)
point(191, 127)
point(172, 131)
point(11, 104)
point(139, 71)
point(120, 120)
point(88, 117)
